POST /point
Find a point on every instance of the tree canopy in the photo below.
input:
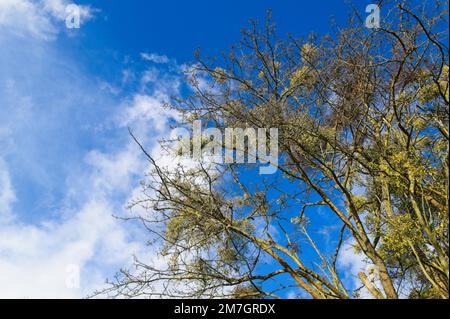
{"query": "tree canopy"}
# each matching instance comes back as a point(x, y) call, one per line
point(362, 118)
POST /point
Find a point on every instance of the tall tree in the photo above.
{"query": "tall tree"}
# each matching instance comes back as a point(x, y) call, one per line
point(362, 118)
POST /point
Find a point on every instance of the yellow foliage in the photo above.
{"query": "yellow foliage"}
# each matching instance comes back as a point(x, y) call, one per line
point(309, 52)
point(302, 75)
point(430, 91)
point(400, 232)
point(220, 75)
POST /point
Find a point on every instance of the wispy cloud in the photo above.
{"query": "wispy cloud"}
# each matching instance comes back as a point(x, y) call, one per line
point(155, 58)
point(7, 195)
point(62, 137)
point(42, 19)
point(36, 258)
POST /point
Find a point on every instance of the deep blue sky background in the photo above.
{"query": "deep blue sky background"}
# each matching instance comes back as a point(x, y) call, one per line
point(178, 28)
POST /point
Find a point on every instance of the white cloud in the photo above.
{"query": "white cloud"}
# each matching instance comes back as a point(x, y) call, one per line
point(155, 58)
point(58, 9)
point(351, 263)
point(7, 195)
point(41, 19)
point(35, 259)
point(44, 126)
point(350, 260)
point(147, 108)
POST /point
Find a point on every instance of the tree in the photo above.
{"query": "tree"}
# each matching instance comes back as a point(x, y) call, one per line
point(362, 118)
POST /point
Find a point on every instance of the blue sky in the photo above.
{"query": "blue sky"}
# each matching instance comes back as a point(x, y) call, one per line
point(66, 98)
